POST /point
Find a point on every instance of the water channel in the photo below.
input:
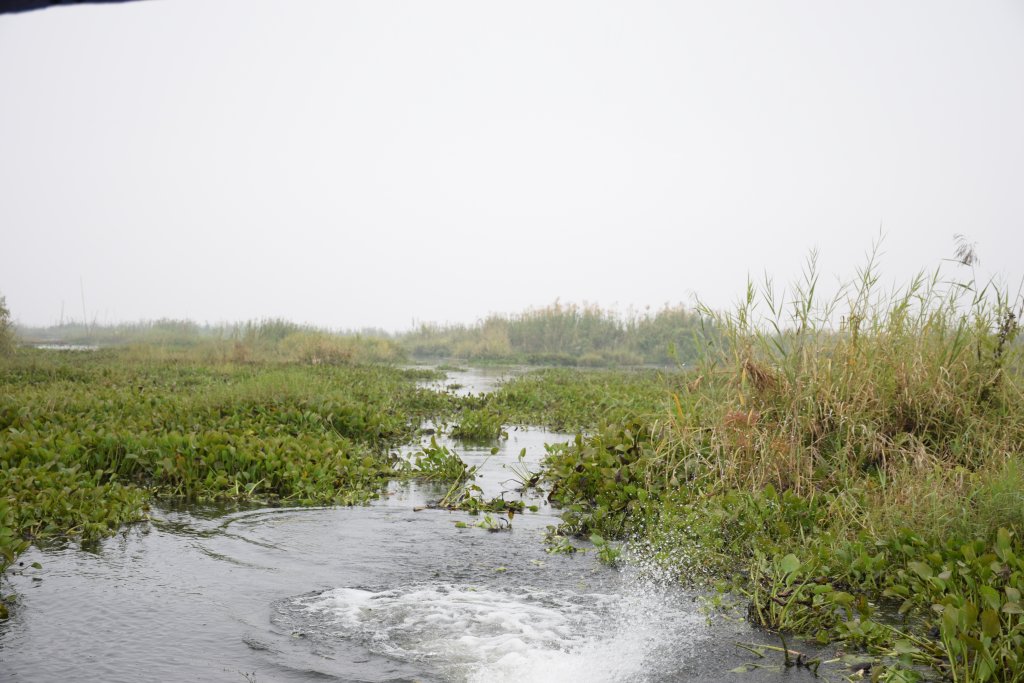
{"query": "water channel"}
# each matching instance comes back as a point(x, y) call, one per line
point(391, 591)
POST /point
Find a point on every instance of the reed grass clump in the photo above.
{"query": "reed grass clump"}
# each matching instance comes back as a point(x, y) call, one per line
point(882, 389)
point(913, 399)
point(829, 449)
point(566, 335)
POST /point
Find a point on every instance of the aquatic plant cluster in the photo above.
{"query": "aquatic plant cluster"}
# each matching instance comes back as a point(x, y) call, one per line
point(576, 399)
point(86, 438)
point(563, 399)
point(860, 483)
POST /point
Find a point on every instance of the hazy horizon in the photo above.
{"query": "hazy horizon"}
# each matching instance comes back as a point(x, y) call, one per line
point(361, 165)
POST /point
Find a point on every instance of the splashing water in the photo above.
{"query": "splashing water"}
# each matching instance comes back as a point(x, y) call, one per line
point(479, 634)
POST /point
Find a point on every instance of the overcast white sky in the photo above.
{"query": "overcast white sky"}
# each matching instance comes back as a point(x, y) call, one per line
point(357, 164)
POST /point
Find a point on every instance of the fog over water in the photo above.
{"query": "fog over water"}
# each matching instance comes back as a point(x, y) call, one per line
point(371, 164)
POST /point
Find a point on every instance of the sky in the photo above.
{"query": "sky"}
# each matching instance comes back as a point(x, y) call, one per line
point(382, 164)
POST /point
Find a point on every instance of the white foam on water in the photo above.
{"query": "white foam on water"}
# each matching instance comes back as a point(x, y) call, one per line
point(492, 635)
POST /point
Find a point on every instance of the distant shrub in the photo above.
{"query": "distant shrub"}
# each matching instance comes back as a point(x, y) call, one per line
point(592, 360)
point(6, 328)
point(570, 334)
point(254, 341)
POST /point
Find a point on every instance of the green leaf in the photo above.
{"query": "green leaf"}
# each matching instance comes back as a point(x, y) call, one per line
point(990, 623)
point(950, 617)
point(970, 614)
point(1003, 539)
point(841, 598)
point(789, 564)
point(921, 569)
point(1012, 608)
point(36, 565)
point(971, 642)
point(968, 552)
point(985, 668)
point(990, 596)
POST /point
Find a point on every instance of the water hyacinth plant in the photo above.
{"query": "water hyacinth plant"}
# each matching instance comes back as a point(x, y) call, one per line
point(87, 438)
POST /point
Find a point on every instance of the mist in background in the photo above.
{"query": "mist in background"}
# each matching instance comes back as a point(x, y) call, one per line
point(368, 164)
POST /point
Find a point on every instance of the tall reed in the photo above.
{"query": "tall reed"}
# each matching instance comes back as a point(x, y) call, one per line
point(866, 387)
point(566, 334)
